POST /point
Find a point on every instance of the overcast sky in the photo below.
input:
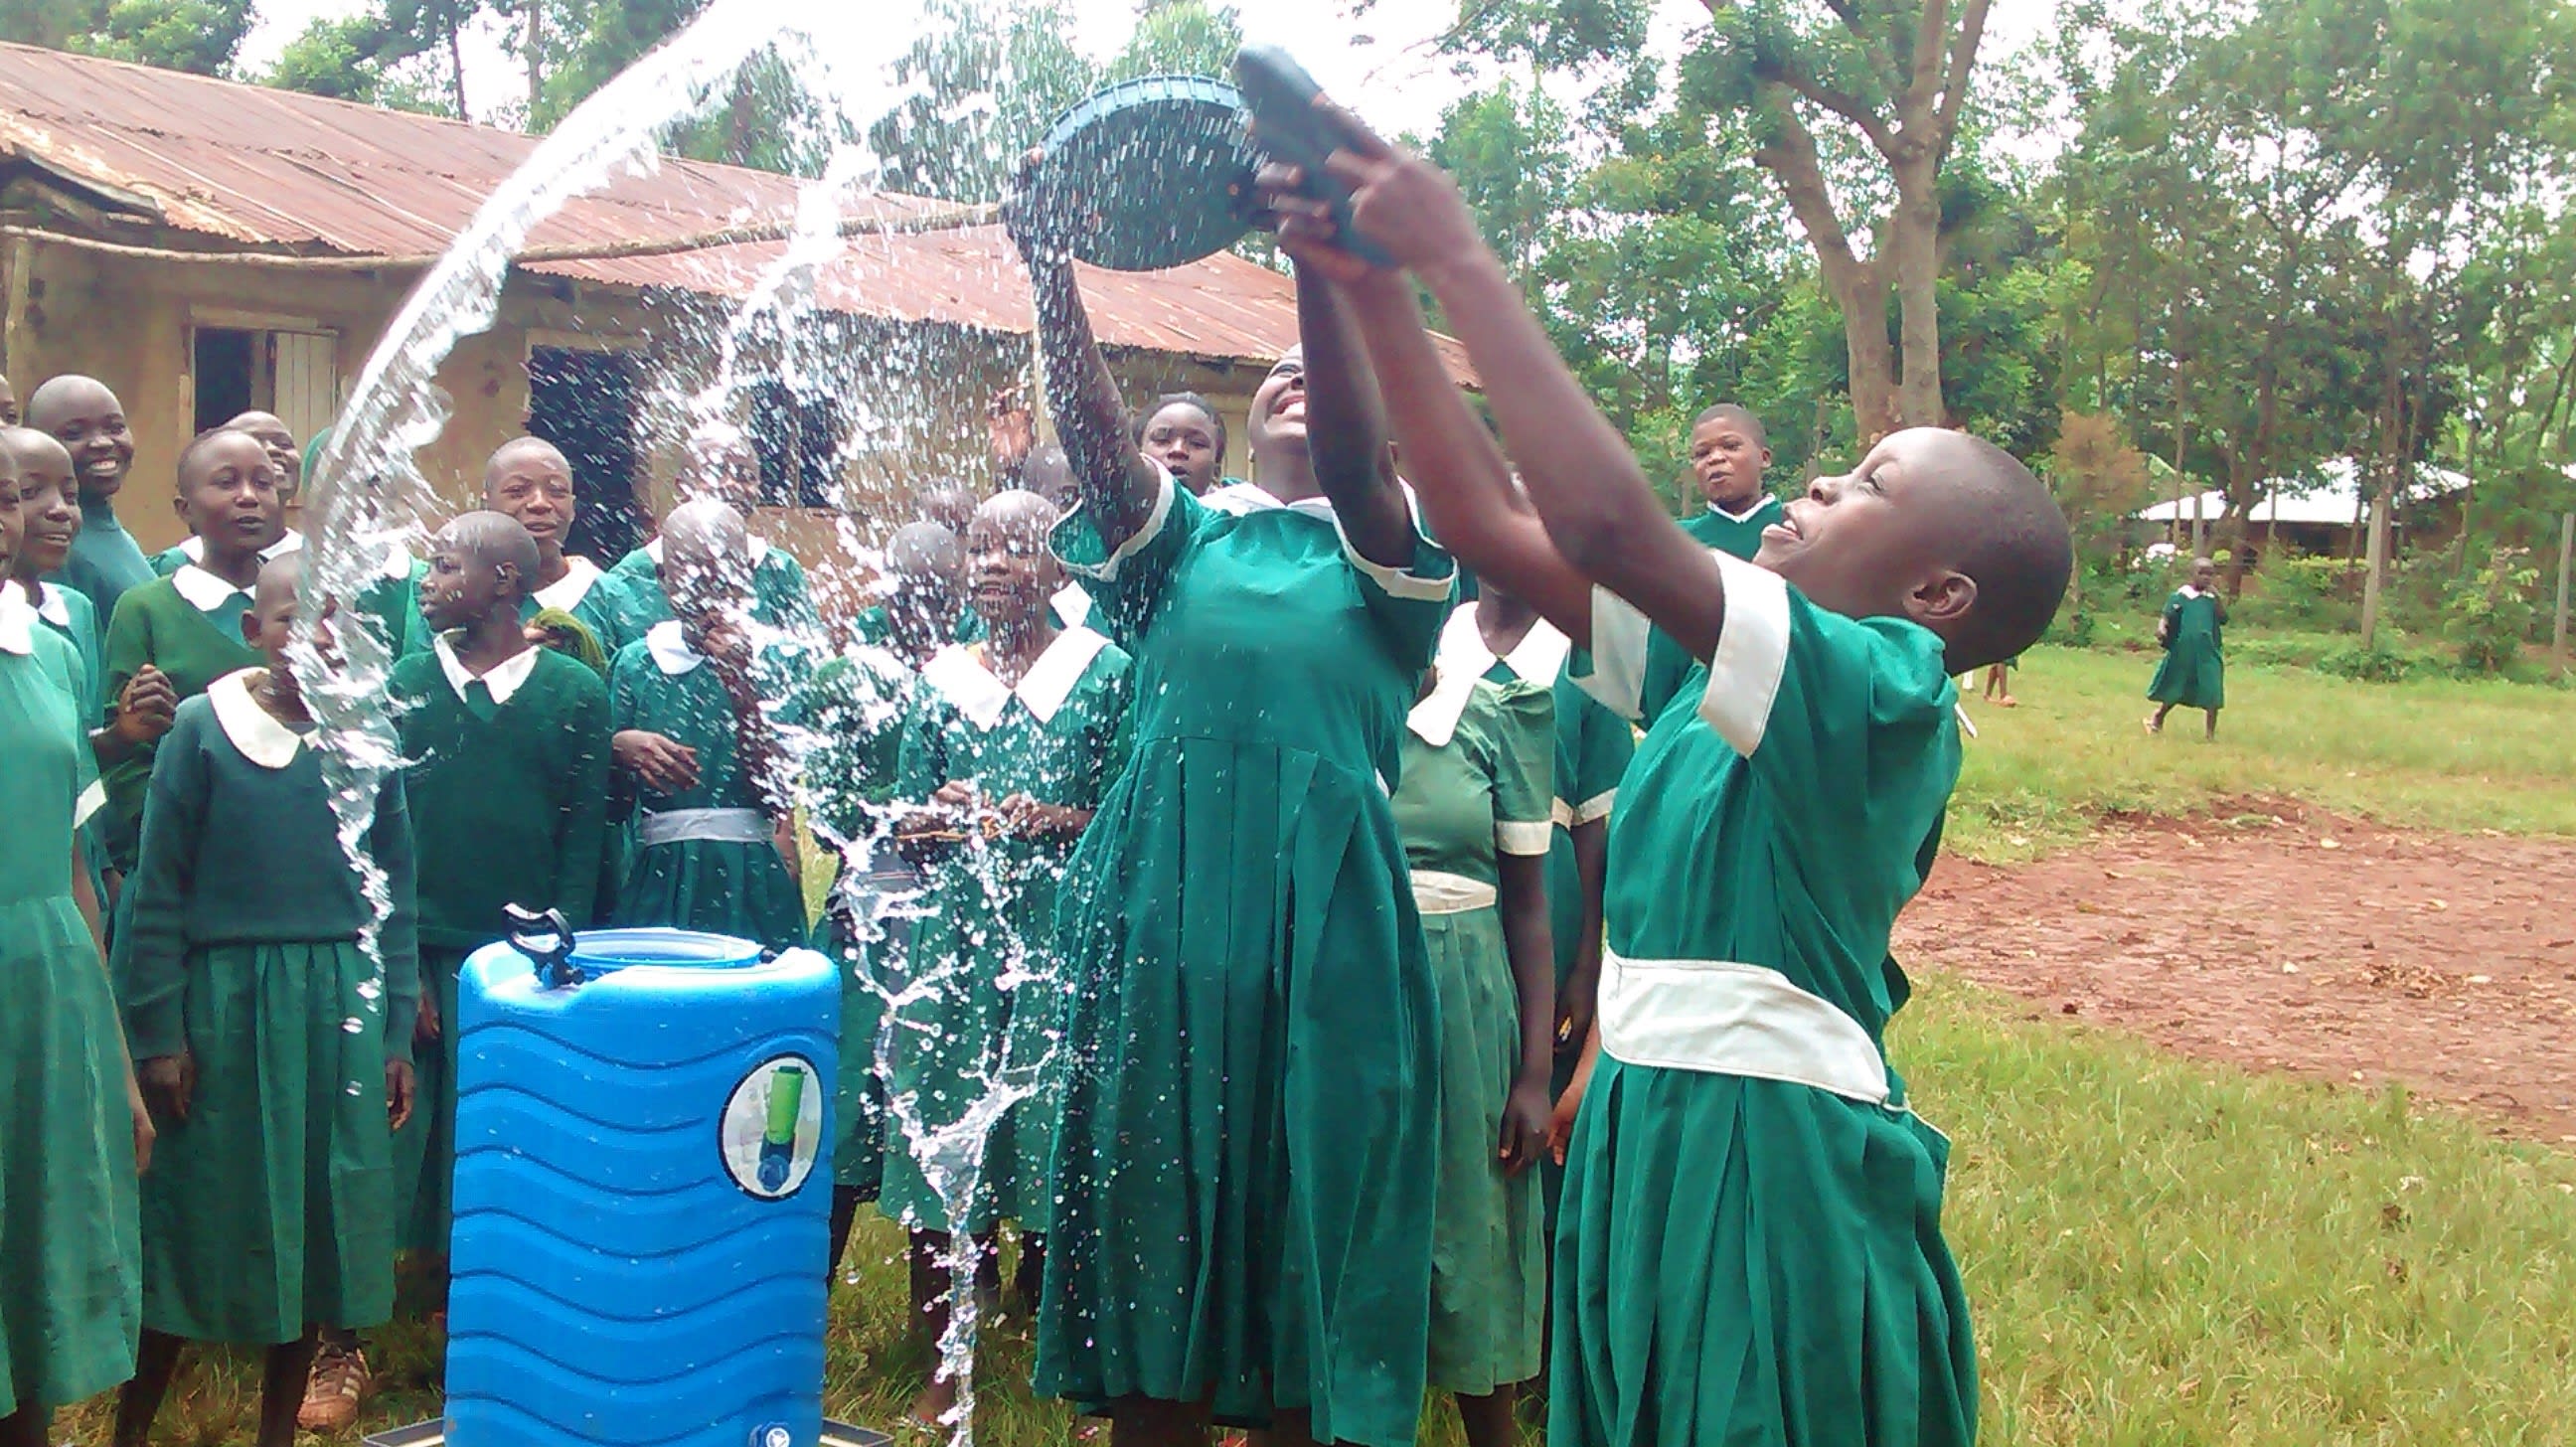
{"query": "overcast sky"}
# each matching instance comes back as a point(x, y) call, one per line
point(1380, 63)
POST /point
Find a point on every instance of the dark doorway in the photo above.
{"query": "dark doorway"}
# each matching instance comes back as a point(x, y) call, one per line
point(584, 402)
point(798, 439)
point(225, 362)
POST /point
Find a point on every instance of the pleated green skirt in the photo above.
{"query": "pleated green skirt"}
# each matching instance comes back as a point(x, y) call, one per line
point(973, 1048)
point(1746, 1261)
point(1244, 1177)
point(717, 886)
point(1488, 1256)
point(271, 1206)
point(425, 1148)
point(70, 1282)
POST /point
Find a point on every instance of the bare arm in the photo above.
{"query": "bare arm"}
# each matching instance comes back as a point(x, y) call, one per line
point(1463, 480)
point(1585, 483)
point(1583, 983)
point(1525, 939)
point(1118, 484)
point(1346, 427)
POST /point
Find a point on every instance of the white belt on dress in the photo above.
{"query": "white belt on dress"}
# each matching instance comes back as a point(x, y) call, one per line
point(1733, 1019)
point(725, 826)
point(1438, 893)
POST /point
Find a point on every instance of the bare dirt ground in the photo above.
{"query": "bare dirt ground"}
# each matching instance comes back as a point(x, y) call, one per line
point(2279, 937)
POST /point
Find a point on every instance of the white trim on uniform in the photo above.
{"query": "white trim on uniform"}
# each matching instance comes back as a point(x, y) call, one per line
point(193, 548)
point(204, 591)
point(759, 550)
point(670, 648)
point(262, 739)
point(1618, 677)
point(91, 800)
point(1538, 658)
point(723, 826)
point(1435, 892)
point(1746, 516)
point(960, 674)
point(1434, 718)
point(1595, 808)
point(1734, 1019)
point(1156, 518)
point(1530, 839)
point(1752, 654)
point(501, 681)
point(565, 593)
point(51, 607)
point(17, 624)
point(1072, 605)
point(1400, 582)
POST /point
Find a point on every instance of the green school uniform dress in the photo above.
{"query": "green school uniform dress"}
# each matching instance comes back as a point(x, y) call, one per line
point(105, 562)
point(508, 783)
point(982, 1008)
point(1738, 535)
point(1477, 763)
point(193, 550)
point(66, 613)
point(704, 857)
point(2193, 673)
point(271, 1206)
point(778, 594)
point(70, 1282)
point(1245, 1170)
point(853, 721)
point(1750, 1248)
point(188, 625)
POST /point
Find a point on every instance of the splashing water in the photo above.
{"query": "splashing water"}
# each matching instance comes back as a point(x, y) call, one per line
point(369, 504)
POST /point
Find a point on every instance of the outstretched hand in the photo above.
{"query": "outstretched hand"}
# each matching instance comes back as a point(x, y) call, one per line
point(1406, 206)
point(1033, 215)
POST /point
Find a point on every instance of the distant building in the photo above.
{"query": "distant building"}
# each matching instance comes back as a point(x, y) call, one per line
point(303, 220)
point(2320, 514)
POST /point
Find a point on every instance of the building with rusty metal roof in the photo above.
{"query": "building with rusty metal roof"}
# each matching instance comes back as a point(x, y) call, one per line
point(206, 247)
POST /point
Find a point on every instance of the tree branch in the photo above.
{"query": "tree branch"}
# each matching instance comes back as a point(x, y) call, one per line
point(1954, 89)
point(1841, 103)
point(1929, 31)
point(1790, 157)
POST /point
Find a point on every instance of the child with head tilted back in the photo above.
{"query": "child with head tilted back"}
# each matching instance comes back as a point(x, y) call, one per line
point(173, 636)
point(1009, 744)
point(269, 995)
point(691, 705)
point(69, 1285)
point(1750, 1247)
point(506, 761)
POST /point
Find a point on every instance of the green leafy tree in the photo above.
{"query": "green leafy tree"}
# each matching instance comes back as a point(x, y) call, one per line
point(1180, 37)
point(992, 79)
point(198, 36)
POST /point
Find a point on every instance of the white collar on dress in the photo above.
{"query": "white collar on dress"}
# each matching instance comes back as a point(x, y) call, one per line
point(52, 607)
point(204, 591)
point(565, 593)
point(1435, 719)
point(1072, 604)
point(193, 548)
point(502, 681)
point(2191, 590)
point(670, 648)
point(1746, 516)
point(17, 624)
point(959, 672)
point(1537, 658)
point(261, 738)
point(1239, 498)
point(653, 550)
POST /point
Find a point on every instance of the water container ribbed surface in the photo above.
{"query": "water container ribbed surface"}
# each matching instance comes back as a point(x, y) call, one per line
point(643, 1190)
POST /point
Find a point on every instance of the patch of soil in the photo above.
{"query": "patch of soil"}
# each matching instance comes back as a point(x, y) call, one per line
point(2280, 937)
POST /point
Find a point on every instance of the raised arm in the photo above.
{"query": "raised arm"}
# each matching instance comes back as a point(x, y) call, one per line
point(1461, 476)
point(1585, 483)
point(1346, 426)
point(1118, 484)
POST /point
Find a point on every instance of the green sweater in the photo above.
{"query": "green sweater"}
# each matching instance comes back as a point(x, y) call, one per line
point(235, 852)
point(106, 562)
point(154, 624)
point(509, 801)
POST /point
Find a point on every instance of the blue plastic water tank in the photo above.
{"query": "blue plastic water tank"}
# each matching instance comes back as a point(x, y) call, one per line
point(643, 1195)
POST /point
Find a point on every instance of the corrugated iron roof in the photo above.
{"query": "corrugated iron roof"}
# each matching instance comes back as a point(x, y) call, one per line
point(278, 170)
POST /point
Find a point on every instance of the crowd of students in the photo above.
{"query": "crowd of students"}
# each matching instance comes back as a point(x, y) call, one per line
point(1353, 992)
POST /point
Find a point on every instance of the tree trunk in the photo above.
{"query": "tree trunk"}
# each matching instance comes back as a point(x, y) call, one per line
point(456, 70)
point(534, 44)
point(1914, 234)
point(1876, 409)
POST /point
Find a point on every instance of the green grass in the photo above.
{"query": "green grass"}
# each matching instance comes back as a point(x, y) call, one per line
point(2157, 1252)
point(2439, 753)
